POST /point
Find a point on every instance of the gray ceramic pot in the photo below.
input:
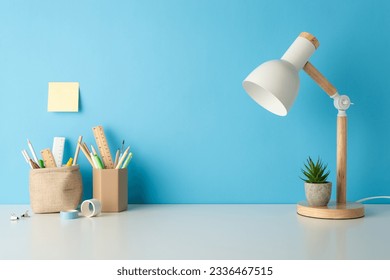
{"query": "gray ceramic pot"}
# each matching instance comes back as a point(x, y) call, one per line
point(318, 194)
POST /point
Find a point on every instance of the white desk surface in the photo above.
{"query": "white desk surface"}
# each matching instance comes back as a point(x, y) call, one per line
point(210, 231)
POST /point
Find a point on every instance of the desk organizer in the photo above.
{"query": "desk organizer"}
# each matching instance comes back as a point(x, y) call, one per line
point(110, 187)
point(55, 189)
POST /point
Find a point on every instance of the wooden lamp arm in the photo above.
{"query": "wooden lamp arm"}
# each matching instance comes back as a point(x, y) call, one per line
point(313, 72)
point(320, 79)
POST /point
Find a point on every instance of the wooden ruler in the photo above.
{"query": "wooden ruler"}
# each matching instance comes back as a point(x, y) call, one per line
point(58, 150)
point(48, 158)
point(103, 147)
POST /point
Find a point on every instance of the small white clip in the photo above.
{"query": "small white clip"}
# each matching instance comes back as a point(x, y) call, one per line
point(14, 217)
point(25, 215)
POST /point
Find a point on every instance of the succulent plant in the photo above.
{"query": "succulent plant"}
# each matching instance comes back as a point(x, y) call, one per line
point(315, 173)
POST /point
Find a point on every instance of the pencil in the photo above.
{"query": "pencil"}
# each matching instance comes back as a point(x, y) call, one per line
point(86, 147)
point(34, 165)
point(85, 152)
point(77, 150)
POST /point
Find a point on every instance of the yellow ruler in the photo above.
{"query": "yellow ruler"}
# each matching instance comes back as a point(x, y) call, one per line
point(48, 158)
point(102, 144)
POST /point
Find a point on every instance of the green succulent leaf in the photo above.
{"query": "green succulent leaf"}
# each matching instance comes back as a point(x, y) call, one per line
point(315, 172)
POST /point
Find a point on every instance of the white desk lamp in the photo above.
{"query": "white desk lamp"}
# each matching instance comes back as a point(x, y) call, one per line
point(274, 85)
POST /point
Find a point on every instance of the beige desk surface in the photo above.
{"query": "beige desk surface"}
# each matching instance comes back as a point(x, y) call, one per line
point(195, 232)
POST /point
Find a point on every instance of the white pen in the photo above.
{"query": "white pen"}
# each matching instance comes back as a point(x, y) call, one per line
point(117, 157)
point(93, 150)
point(32, 151)
point(27, 158)
point(122, 158)
point(95, 164)
point(123, 146)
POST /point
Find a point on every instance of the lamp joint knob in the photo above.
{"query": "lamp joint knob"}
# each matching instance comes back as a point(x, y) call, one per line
point(341, 103)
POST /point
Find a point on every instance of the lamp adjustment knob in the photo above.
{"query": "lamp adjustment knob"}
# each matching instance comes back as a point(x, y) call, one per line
point(342, 102)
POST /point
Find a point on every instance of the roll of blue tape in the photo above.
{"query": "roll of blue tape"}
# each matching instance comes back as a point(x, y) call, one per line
point(69, 215)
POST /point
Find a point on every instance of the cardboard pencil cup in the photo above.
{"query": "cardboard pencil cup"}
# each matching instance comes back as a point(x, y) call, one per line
point(110, 187)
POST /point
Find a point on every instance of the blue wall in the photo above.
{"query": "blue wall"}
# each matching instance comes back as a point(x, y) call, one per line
point(166, 77)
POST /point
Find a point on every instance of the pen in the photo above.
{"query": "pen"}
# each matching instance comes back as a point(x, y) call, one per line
point(69, 163)
point(93, 150)
point(127, 161)
point(122, 158)
point(99, 162)
point(32, 150)
point(95, 164)
point(27, 158)
point(123, 147)
point(117, 157)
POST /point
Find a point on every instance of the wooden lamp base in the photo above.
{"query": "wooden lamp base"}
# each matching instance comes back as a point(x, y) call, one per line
point(333, 211)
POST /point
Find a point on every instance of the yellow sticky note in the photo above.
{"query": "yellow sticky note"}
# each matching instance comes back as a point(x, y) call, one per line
point(63, 97)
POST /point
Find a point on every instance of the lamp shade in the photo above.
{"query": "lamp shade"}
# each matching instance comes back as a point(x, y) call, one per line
point(273, 85)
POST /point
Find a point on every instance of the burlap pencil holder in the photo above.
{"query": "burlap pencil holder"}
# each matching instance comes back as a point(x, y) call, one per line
point(55, 189)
